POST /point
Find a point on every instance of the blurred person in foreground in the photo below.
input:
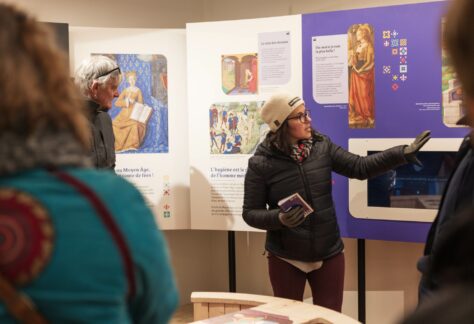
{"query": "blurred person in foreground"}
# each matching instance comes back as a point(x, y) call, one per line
point(77, 245)
point(459, 192)
point(98, 78)
point(452, 268)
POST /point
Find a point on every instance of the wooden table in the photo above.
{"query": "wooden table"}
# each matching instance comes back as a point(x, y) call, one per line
point(210, 307)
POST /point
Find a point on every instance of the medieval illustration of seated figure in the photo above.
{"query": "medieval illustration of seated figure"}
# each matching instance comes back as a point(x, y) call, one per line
point(128, 129)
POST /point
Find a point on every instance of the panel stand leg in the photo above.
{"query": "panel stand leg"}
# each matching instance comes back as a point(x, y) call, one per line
point(231, 254)
point(361, 279)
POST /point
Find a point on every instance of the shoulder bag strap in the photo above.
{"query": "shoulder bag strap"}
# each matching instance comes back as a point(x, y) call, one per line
point(108, 221)
point(18, 304)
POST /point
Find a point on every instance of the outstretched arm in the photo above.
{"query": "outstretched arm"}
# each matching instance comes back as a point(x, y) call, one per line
point(363, 167)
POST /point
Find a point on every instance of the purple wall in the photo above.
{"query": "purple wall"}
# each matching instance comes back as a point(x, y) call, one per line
point(396, 114)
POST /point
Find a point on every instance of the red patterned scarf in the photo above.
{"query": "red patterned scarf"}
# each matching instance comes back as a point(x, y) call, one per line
point(301, 150)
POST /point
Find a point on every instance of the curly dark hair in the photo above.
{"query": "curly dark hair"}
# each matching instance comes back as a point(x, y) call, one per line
point(36, 90)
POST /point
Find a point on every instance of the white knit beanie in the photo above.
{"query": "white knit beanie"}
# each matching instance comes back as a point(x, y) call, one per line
point(278, 108)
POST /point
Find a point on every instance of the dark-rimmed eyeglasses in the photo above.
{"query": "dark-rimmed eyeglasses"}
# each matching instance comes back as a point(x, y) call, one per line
point(110, 71)
point(303, 117)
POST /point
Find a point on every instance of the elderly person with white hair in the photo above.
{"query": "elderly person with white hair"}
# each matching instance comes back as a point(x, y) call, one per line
point(98, 79)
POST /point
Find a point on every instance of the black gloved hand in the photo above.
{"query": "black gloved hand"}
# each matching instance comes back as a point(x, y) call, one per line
point(411, 150)
point(292, 217)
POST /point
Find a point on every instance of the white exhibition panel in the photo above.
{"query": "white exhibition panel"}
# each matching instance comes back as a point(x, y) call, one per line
point(217, 180)
point(165, 181)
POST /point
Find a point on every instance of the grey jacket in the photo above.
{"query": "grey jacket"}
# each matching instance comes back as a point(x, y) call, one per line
point(272, 175)
point(103, 140)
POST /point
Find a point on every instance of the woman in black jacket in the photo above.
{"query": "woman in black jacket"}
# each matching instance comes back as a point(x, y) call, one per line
point(294, 158)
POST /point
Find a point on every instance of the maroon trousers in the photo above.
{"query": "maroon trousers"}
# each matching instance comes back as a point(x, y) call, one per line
point(327, 282)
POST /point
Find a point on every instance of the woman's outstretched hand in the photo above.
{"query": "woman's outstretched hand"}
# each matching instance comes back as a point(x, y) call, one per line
point(411, 150)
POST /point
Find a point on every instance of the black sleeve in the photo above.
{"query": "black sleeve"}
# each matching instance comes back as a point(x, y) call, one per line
point(255, 212)
point(363, 167)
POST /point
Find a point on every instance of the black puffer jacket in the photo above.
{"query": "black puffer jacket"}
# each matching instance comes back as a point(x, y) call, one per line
point(272, 175)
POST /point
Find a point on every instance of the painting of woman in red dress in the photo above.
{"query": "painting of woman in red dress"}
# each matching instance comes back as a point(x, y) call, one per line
point(361, 77)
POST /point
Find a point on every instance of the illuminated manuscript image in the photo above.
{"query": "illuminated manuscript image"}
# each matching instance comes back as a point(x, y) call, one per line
point(361, 65)
point(235, 127)
point(240, 74)
point(140, 113)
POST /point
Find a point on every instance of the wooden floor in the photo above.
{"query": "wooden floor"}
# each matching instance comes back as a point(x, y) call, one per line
point(184, 314)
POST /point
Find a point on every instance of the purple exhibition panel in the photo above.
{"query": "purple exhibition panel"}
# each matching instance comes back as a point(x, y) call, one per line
point(378, 73)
